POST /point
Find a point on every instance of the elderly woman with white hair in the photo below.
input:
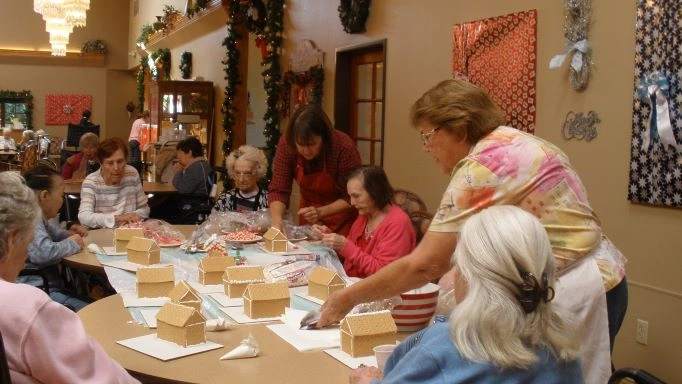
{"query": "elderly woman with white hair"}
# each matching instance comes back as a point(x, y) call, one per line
point(33, 326)
point(7, 141)
point(504, 327)
point(245, 166)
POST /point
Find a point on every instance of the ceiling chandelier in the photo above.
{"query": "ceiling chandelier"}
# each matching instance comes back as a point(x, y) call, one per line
point(60, 17)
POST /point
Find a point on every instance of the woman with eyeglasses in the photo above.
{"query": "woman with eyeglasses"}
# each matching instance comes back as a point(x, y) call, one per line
point(319, 158)
point(245, 166)
point(492, 164)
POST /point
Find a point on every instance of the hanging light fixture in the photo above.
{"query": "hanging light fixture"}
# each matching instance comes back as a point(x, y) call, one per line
point(60, 17)
point(75, 11)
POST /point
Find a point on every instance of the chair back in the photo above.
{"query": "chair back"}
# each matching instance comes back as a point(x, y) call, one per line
point(639, 376)
point(415, 208)
point(4, 367)
point(28, 158)
point(74, 133)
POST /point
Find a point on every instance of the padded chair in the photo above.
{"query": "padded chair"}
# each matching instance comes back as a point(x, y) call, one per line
point(639, 376)
point(28, 158)
point(4, 367)
point(74, 133)
point(415, 208)
point(195, 209)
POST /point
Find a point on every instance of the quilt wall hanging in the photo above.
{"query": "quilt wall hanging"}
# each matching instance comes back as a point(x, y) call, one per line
point(65, 109)
point(656, 145)
point(499, 54)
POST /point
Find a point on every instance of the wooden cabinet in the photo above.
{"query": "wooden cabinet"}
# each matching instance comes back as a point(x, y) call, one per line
point(188, 103)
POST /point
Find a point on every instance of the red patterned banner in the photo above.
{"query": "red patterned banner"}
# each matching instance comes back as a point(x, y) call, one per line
point(499, 54)
point(65, 109)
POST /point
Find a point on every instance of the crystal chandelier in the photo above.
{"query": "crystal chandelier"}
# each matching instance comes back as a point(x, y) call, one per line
point(60, 17)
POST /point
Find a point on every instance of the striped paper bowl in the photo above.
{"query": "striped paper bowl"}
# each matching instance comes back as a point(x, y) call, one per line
point(417, 308)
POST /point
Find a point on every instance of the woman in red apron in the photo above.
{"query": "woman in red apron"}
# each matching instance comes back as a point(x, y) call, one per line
point(319, 158)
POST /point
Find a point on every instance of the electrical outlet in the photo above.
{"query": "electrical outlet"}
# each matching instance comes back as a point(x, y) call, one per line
point(642, 336)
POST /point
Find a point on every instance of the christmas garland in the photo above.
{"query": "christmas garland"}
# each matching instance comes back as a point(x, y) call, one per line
point(354, 14)
point(164, 55)
point(272, 79)
point(140, 83)
point(232, 77)
point(274, 26)
point(24, 97)
point(313, 74)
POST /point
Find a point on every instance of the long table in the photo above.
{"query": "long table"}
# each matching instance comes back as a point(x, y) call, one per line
point(108, 321)
point(74, 188)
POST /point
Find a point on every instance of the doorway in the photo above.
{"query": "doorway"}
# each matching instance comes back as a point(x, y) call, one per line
point(359, 99)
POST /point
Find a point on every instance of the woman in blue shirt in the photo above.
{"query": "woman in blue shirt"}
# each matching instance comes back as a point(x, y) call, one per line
point(504, 327)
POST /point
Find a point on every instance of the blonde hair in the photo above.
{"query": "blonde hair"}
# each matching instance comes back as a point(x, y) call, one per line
point(459, 107)
point(249, 153)
point(19, 210)
point(495, 248)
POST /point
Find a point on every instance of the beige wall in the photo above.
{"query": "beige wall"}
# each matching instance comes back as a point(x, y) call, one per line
point(418, 56)
point(111, 90)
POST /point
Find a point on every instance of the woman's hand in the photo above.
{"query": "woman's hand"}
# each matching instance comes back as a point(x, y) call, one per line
point(333, 310)
point(177, 167)
point(126, 218)
point(334, 241)
point(320, 230)
point(310, 214)
point(77, 229)
point(364, 375)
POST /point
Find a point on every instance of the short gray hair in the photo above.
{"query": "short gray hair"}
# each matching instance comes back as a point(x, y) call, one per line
point(495, 247)
point(88, 140)
point(19, 209)
point(6, 130)
point(252, 154)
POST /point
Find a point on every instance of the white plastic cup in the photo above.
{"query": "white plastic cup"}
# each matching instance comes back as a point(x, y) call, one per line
point(382, 352)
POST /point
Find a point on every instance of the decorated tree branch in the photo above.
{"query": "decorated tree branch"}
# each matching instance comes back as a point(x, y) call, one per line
point(267, 21)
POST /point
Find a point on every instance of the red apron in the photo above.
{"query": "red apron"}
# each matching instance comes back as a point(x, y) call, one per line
point(318, 189)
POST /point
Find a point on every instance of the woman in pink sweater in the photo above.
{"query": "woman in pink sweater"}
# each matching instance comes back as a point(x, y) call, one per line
point(382, 232)
point(44, 341)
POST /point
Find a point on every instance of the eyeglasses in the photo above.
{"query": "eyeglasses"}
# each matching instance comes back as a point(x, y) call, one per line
point(426, 136)
point(245, 175)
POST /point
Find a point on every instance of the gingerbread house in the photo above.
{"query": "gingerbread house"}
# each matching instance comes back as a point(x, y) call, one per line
point(322, 282)
point(235, 279)
point(184, 294)
point(143, 251)
point(266, 300)
point(363, 331)
point(123, 235)
point(216, 249)
point(180, 324)
point(211, 269)
point(275, 240)
point(155, 281)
